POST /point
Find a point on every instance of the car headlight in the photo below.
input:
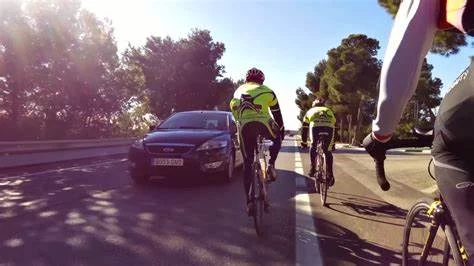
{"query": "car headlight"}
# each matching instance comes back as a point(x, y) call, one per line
point(138, 144)
point(215, 143)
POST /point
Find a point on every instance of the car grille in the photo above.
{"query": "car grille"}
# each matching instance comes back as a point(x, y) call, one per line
point(169, 148)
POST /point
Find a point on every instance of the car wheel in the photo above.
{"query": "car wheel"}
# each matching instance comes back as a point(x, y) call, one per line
point(228, 174)
point(140, 179)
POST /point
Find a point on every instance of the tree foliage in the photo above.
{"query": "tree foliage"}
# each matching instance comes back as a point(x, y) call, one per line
point(445, 42)
point(61, 76)
point(350, 77)
point(419, 111)
point(184, 74)
point(348, 80)
point(303, 101)
point(59, 67)
point(351, 73)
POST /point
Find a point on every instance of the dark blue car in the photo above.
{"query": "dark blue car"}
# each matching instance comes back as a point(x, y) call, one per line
point(188, 144)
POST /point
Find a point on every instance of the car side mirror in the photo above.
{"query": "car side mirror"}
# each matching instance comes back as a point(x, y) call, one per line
point(152, 127)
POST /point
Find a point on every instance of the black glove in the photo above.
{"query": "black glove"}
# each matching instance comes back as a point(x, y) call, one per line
point(375, 148)
point(304, 145)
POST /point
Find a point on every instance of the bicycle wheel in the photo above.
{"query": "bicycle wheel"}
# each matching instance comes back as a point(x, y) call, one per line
point(423, 243)
point(257, 196)
point(323, 184)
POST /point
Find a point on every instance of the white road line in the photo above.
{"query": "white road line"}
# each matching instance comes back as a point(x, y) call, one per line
point(307, 247)
point(65, 169)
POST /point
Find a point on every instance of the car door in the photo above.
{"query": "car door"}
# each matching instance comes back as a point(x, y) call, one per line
point(236, 140)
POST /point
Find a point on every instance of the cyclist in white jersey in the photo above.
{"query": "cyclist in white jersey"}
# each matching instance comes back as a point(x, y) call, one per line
point(410, 40)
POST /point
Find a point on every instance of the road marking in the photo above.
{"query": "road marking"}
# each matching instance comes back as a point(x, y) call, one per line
point(307, 247)
point(65, 169)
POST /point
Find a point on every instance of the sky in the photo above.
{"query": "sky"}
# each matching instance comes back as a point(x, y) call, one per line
point(284, 38)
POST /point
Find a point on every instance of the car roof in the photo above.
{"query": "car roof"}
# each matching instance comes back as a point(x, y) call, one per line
point(205, 112)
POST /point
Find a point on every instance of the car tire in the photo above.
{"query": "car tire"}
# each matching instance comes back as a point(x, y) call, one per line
point(140, 180)
point(228, 173)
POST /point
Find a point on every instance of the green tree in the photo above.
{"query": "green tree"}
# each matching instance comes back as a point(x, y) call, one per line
point(59, 70)
point(182, 75)
point(76, 87)
point(445, 42)
point(350, 77)
point(17, 62)
point(228, 87)
point(135, 118)
point(305, 100)
point(419, 111)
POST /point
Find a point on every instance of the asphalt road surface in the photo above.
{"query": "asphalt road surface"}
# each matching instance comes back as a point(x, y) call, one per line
point(90, 213)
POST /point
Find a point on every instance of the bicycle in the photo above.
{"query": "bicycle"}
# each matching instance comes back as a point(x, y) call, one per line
point(430, 213)
point(258, 193)
point(320, 181)
point(321, 184)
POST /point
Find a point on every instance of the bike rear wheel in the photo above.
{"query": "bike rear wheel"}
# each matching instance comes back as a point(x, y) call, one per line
point(322, 183)
point(258, 199)
point(423, 243)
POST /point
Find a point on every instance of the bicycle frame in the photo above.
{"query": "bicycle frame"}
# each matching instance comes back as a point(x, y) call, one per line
point(440, 217)
point(437, 212)
point(258, 188)
point(261, 161)
point(322, 159)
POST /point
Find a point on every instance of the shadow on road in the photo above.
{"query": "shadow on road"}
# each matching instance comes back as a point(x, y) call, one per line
point(341, 246)
point(94, 216)
point(364, 207)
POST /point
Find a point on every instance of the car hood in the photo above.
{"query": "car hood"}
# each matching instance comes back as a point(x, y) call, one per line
point(182, 136)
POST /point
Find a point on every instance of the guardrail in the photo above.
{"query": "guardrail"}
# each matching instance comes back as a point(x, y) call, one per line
point(15, 154)
point(19, 147)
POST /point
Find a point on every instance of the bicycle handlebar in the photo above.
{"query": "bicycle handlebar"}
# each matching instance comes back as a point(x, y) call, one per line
point(420, 141)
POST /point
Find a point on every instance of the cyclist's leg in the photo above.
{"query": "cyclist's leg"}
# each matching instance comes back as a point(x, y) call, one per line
point(248, 144)
point(314, 142)
point(457, 189)
point(453, 145)
point(327, 150)
point(275, 137)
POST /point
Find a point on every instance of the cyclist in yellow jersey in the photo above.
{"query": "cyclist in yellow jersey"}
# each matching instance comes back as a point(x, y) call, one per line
point(251, 107)
point(321, 120)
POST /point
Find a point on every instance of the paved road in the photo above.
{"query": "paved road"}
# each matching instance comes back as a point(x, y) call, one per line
point(89, 213)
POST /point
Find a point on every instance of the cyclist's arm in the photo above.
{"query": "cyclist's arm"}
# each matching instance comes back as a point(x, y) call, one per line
point(234, 106)
point(332, 118)
point(276, 112)
point(410, 40)
point(305, 130)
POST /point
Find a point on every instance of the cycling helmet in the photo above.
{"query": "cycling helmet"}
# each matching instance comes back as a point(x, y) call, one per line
point(255, 75)
point(319, 102)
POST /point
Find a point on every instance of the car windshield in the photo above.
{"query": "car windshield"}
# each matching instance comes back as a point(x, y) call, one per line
point(195, 120)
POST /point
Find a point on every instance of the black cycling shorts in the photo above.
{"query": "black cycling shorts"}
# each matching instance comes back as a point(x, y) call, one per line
point(453, 148)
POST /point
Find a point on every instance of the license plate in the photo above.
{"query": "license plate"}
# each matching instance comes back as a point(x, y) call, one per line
point(167, 162)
